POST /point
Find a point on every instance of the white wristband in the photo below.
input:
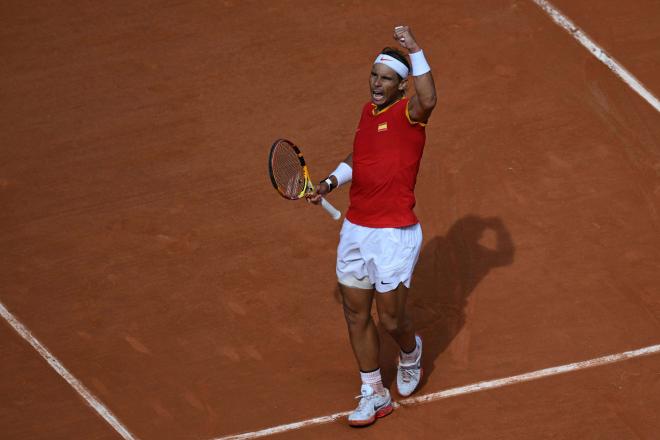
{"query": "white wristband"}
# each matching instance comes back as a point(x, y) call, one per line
point(343, 173)
point(419, 64)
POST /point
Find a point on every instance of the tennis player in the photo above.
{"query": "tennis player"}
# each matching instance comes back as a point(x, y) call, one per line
point(381, 238)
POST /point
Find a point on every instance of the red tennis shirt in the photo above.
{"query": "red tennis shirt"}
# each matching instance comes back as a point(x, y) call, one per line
point(387, 150)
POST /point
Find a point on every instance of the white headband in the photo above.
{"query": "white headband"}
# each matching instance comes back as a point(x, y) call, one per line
point(393, 64)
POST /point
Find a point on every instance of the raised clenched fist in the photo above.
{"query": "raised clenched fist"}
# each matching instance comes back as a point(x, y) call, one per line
point(404, 37)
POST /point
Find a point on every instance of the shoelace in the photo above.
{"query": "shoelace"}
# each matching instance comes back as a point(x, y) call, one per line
point(408, 373)
point(364, 400)
point(366, 396)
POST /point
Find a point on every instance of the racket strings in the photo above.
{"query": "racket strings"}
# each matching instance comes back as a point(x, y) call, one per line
point(287, 171)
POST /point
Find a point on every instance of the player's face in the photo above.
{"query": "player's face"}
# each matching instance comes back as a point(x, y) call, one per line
point(385, 85)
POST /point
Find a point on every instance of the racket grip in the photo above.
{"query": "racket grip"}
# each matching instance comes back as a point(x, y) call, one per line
point(334, 213)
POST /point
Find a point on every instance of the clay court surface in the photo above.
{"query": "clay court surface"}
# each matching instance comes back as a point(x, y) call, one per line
point(142, 243)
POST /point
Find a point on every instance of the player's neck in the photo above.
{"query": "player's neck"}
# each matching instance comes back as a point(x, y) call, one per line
point(390, 103)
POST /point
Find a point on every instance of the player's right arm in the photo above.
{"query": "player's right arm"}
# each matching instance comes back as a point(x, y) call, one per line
point(322, 189)
point(348, 161)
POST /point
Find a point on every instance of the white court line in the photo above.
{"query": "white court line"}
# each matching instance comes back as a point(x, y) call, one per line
point(59, 368)
point(598, 52)
point(467, 389)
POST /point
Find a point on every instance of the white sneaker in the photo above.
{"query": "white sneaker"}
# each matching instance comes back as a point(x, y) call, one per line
point(372, 406)
point(408, 375)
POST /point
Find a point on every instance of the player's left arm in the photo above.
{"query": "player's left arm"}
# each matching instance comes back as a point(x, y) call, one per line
point(421, 105)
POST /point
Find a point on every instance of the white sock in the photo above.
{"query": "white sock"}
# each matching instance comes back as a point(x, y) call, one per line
point(373, 379)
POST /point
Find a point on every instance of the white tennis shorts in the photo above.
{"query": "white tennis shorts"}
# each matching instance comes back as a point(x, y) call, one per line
point(379, 258)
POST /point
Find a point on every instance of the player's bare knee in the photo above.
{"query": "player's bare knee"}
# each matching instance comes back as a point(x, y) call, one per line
point(395, 325)
point(391, 323)
point(355, 318)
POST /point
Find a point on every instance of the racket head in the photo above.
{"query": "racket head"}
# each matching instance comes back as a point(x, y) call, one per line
point(288, 171)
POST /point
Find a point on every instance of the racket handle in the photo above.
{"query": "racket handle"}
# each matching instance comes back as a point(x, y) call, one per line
point(334, 213)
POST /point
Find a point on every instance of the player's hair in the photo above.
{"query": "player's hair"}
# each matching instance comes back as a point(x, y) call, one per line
point(398, 55)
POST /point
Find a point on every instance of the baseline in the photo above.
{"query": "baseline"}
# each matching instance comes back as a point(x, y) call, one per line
point(91, 400)
point(467, 389)
point(598, 52)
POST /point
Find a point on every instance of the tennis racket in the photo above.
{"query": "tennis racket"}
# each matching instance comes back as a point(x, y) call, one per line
point(289, 174)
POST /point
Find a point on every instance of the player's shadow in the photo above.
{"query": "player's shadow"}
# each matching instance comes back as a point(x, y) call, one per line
point(448, 270)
